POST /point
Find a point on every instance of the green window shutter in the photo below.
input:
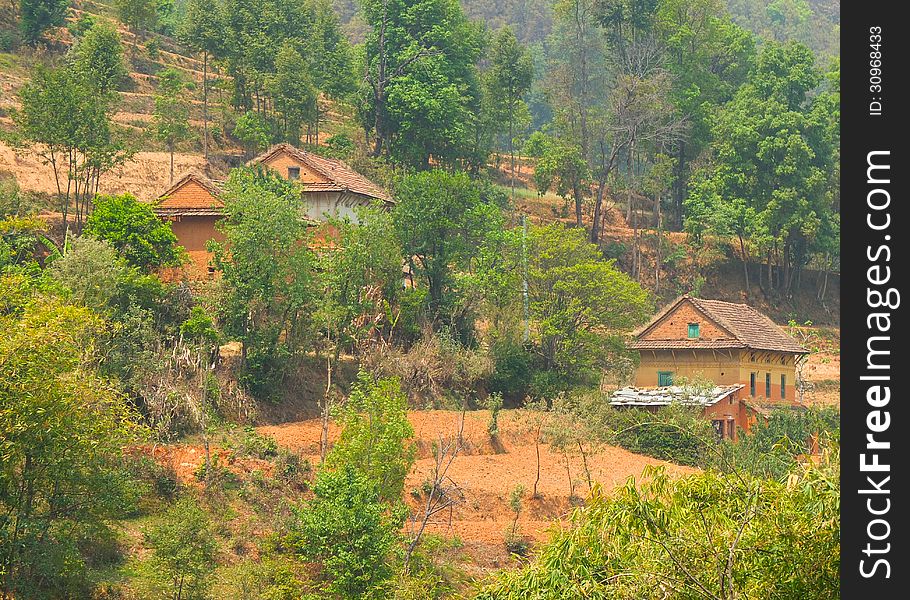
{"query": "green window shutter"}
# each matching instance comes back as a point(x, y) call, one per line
point(664, 378)
point(693, 331)
point(783, 387)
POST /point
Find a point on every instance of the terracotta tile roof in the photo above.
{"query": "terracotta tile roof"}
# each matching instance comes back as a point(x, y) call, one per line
point(342, 177)
point(747, 327)
point(191, 194)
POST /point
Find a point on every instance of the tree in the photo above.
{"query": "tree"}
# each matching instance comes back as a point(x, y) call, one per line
point(442, 221)
point(710, 535)
point(563, 166)
point(508, 81)
point(172, 111)
point(184, 550)
point(37, 16)
point(375, 436)
point(137, 15)
point(293, 92)
point(69, 122)
point(203, 29)
point(130, 226)
point(784, 181)
point(98, 56)
point(91, 271)
point(422, 86)
point(62, 477)
point(268, 279)
point(577, 299)
point(350, 531)
point(253, 131)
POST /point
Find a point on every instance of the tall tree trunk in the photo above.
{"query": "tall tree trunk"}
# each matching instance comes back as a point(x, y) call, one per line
point(205, 105)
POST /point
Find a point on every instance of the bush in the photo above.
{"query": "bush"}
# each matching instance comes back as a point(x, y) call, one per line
point(675, 433)
point(350, 531)
point(183, 550)
point(256, 445)
point(291, 469)
point(512, 366)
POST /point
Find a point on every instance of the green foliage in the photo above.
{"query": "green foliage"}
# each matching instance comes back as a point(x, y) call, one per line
point(63, 430)
point(98, 56)
point(133, 229)
point(37, 16)
point(422, 91)
point(675, 433)
point(775, 445)
point(256, 445)
point(293, 91)
point(577, 300)
point(349, 530)
point(253, 131)
point(267, 286)
point(375, 436)
point(442, 220)
point(723, 534)
point(138, 15)
point(512, 367)
point(172, 111)
point(777, 195)
point(91, 271)
point(493, 403)
point(184, 550)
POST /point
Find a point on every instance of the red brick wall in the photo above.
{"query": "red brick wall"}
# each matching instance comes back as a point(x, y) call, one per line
point(675, 326)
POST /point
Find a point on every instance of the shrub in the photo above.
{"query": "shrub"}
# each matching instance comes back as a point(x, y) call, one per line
point(350, 531)
point(512, 366)
point(183, 550)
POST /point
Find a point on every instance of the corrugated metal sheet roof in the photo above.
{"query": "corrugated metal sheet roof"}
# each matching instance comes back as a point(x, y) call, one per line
point(674, 394)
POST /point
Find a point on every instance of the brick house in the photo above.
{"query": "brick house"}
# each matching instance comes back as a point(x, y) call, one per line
point(727, 344)
point(328, 188)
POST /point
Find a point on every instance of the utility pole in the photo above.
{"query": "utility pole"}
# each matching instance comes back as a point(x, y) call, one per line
point(526, 334)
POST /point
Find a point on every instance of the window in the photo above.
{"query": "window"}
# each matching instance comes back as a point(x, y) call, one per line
point(783, 387)
point(293, 172)
point(731, 428)
point(752, 384)
point(768, 385)
point(718, 425)
point(664, 378)
point(693, 331)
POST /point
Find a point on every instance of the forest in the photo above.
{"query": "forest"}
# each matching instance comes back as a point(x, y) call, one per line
point(557, 170)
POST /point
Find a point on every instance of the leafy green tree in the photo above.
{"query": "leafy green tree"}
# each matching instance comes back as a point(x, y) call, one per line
point(350, 531)
point(442, 221)
point(98, 56)
point(782, 185)
point(422, 88)
point(578, 301)
point(375, 435)
point(37, 16)
point(172, 111)
point(563, 167)
point(62, 475)
point(508, 81)
point(268, 284)
point(91, 270)
point(138, 15)
point(253, 131)
point(130, 226)
point(184, 550)
point(293, 91)
point(68, 122)
point(203, 30)
point(709, 535)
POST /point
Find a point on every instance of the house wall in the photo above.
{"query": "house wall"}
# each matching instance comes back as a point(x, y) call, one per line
point(281, 161)
point(720, 366)
point(335, 204)
point(190, 195)
point(193, 233)
point(723, 367)
point(675, 326)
